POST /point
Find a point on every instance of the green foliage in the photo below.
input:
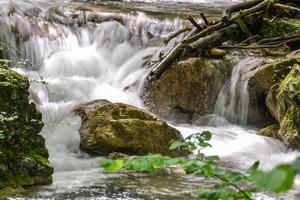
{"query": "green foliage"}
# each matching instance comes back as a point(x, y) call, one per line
point(280, 179)
point(227, 184)
point(111, 165)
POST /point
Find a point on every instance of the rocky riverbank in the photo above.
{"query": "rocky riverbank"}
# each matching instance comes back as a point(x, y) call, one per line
point(23, 155)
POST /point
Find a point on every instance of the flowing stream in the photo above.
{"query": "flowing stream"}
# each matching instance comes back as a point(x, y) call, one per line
point(105, 61)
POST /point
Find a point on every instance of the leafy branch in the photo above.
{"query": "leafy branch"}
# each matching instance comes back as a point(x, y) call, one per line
point(229, 184)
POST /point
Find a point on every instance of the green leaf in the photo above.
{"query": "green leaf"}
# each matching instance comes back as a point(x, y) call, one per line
point(111, 166)
point(279, 179)
point(206, 135)
point(176, 144)
point(254, 167)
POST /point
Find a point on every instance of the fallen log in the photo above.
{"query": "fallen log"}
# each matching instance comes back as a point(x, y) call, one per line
point(213, 40)
point(231, 20)
point(241, 6)
point(282, 6)
point(98, 18)
point(166, 62)
point(168, 38)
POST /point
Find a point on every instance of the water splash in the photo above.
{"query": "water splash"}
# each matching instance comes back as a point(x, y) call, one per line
point(233, 99)
point(106, 60)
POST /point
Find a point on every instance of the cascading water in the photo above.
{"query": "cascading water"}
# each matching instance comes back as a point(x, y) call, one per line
point(105, 61)
point(233, 100)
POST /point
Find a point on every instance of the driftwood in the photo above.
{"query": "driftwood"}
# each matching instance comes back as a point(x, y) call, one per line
point(262, 46)
point(231, 20)
point(282, 6)
point(204, 18)
point(191, 19)
point(213, 40)
point(213, 34)
point(98, 18)
point(168, 38)
point(241, 6)
point(281, 38)
point(169, 58)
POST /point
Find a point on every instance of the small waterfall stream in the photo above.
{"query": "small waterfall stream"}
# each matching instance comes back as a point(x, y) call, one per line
point(105, 61)
point(233, 100)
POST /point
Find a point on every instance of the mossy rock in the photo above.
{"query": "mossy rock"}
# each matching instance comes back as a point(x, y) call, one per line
point(23, 155)
point(283, 101)
point(188, 88)
point(266, 76)
point(9, 191)
point(116, 127)
point(278, 27)
point(270, 131)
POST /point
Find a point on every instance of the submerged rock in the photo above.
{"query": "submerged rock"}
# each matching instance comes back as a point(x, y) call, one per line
point(187, 88)
point(116, 127)
point(283, 101)
point(23, 155)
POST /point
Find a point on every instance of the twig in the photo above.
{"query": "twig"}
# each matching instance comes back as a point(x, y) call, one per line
point(204, 32)
point(233, 185)
point(190, 18)
point(175, 34)
point(278, 5)
point(235, 16)
point(243, 27)
point(260, 46)
point(274, 39)
point(204, 18)
point(240, 6)
point(248, 39)
point(10, 50)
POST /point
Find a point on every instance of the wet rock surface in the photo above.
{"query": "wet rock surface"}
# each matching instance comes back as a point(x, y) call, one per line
point(188, 88)
point(264, 78)
point(283, 101)
point(116, 127)
point(23, 155)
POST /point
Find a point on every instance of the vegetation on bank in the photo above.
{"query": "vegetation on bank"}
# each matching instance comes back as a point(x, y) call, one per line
point(24, 158)
point(23, 155)
point(227, 184)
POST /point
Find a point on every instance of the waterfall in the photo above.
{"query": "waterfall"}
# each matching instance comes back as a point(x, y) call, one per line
point(78, 65)
point(233, 99)
point(107, 61)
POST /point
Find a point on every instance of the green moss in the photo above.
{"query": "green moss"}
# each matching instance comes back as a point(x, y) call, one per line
point(278, 27)
point(11, 192)
point(23, 156)
point(284, 102)
point(39, 159)
point(270, 131)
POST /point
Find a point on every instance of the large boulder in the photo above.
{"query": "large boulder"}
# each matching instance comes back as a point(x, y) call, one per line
point(259, 84)
point(283, 101)
point(188, 88)
point(23, 156)
point(117, 127)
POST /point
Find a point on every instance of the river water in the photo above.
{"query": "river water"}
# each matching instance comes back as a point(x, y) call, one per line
point(105, 61)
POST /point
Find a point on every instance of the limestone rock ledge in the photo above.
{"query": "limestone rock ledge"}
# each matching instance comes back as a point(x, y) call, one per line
point(23, 155)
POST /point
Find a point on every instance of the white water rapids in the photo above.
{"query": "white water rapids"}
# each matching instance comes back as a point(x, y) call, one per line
point(105, 61)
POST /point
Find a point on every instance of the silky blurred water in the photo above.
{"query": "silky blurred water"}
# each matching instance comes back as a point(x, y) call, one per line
point(107, 61)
